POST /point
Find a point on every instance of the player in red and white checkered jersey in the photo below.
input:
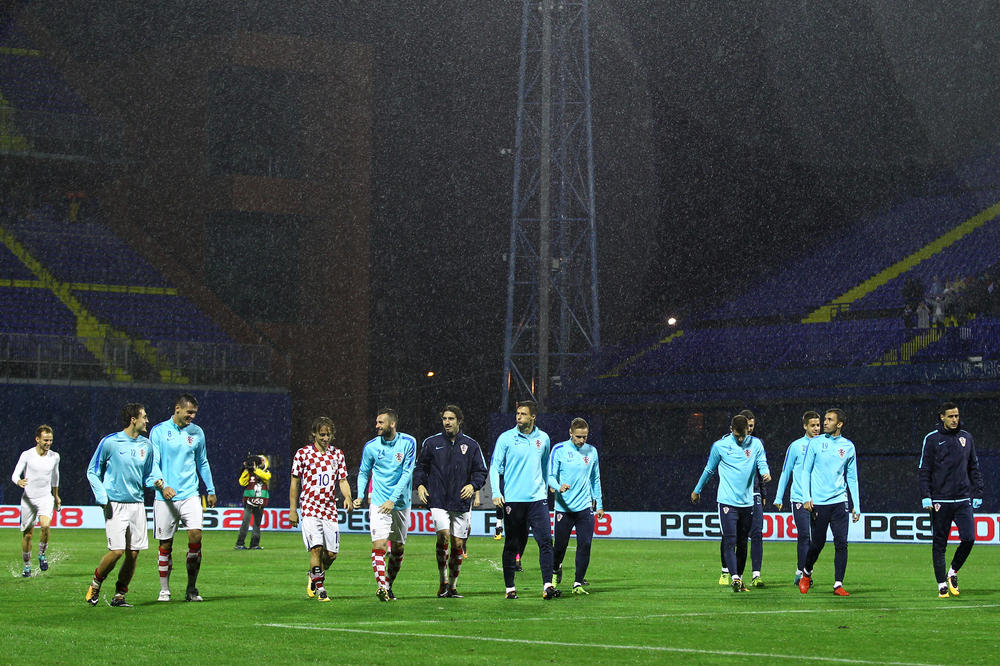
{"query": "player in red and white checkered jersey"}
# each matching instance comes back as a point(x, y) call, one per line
point(316, 469)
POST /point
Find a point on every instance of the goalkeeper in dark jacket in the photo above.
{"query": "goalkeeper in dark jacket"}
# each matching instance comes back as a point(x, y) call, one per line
point(450, 469)
point(951, 486)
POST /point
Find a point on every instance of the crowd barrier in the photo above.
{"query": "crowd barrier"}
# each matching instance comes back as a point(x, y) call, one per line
point(872, 527)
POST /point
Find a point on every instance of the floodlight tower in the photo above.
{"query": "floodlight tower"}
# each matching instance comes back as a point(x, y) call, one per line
point(552, 315)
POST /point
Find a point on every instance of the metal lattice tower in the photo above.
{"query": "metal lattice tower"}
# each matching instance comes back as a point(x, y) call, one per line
point(552, 314)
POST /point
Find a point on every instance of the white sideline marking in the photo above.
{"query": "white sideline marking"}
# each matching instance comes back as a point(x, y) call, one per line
point(790, 611)
point(639, 648)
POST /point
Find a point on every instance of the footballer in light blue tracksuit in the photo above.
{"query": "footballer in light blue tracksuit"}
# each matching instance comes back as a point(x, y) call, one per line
point(830, 470)
point(119, 472)
point(951, 486)
point(795, 457)
point(389, 458)
point(180, 454)
point(521, 456)
point(575, 475)
point(737, 457)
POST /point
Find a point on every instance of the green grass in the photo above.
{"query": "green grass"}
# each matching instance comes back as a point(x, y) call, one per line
point(650, 602)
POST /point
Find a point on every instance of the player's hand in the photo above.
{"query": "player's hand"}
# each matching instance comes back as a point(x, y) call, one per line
point(477, 502)
point(357, 503)
point(386, 507)
point(212, 499)
point(766, 478)
point(600, 513)
point(168, 493)
point(22, 482)
point(293, 517)
point(695, 497)
point(564, 487)
point(777, 506)
point(107, 510)
point(925, 503)
point(855, 516)
point(498, 501)
point(808, 506)
point(348, 503)
point(58, 504)
point(422, 493)
point(467, 491)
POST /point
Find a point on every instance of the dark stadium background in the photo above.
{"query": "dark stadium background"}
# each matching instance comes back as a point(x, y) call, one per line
point(730, 139)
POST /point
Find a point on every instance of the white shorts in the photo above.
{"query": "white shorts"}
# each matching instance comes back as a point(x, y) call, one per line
point(391, 526)
point(320, 532)
point(32, 509)
point(126, 529)
point(459, 523)
point(168, 517)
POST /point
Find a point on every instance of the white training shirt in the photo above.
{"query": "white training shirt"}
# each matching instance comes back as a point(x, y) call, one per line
point(42, 473)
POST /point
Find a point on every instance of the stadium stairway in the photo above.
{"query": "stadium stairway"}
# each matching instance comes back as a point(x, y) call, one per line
point(905, 352)
point(10, 139)
point(89, 329)
point(843, 302)
point(616, 371)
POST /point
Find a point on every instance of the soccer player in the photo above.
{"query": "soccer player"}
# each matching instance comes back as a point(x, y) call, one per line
point(450, 470)
point(829, 460)
point(575, 474)
point(521, 455)
point(795, 456)
point(37, 472)
point(180, 457)
point(757, 523)
point(737, 457)
point(315, 469)
point(951, 486)
point(119, 471)
point(388, 459)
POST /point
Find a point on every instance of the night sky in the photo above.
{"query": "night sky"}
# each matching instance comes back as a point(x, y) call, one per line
point(728, 138)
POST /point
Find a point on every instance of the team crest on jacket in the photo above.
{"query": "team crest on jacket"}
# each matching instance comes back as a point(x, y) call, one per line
point(538, 443)
point(586, 460)
point(559, 517)
point(962, 441)
point(798, 505)
point(190, 440)
point(725, 509)
point(399, 457)
point(464, 447)
point(937, 507)
point(841, 452)
point(747, 451)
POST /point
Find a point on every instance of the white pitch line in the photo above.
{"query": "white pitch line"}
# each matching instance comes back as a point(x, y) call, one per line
point(789, 611)
point(605, 646)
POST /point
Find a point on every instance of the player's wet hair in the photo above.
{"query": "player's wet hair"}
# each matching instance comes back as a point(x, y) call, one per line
point(42, 428)
point(579, 424)
point(323, 421)
point(131, 411)
point(531, 405)
point(739, 425)
point(186, 399)
point(456, 410)
point(841, 416)
point(390, 412)
point(945, 406)
point(809, 416)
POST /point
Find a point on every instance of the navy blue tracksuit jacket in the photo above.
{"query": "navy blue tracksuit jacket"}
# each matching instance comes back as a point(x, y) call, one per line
point(444, 467)
point(949, 468)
